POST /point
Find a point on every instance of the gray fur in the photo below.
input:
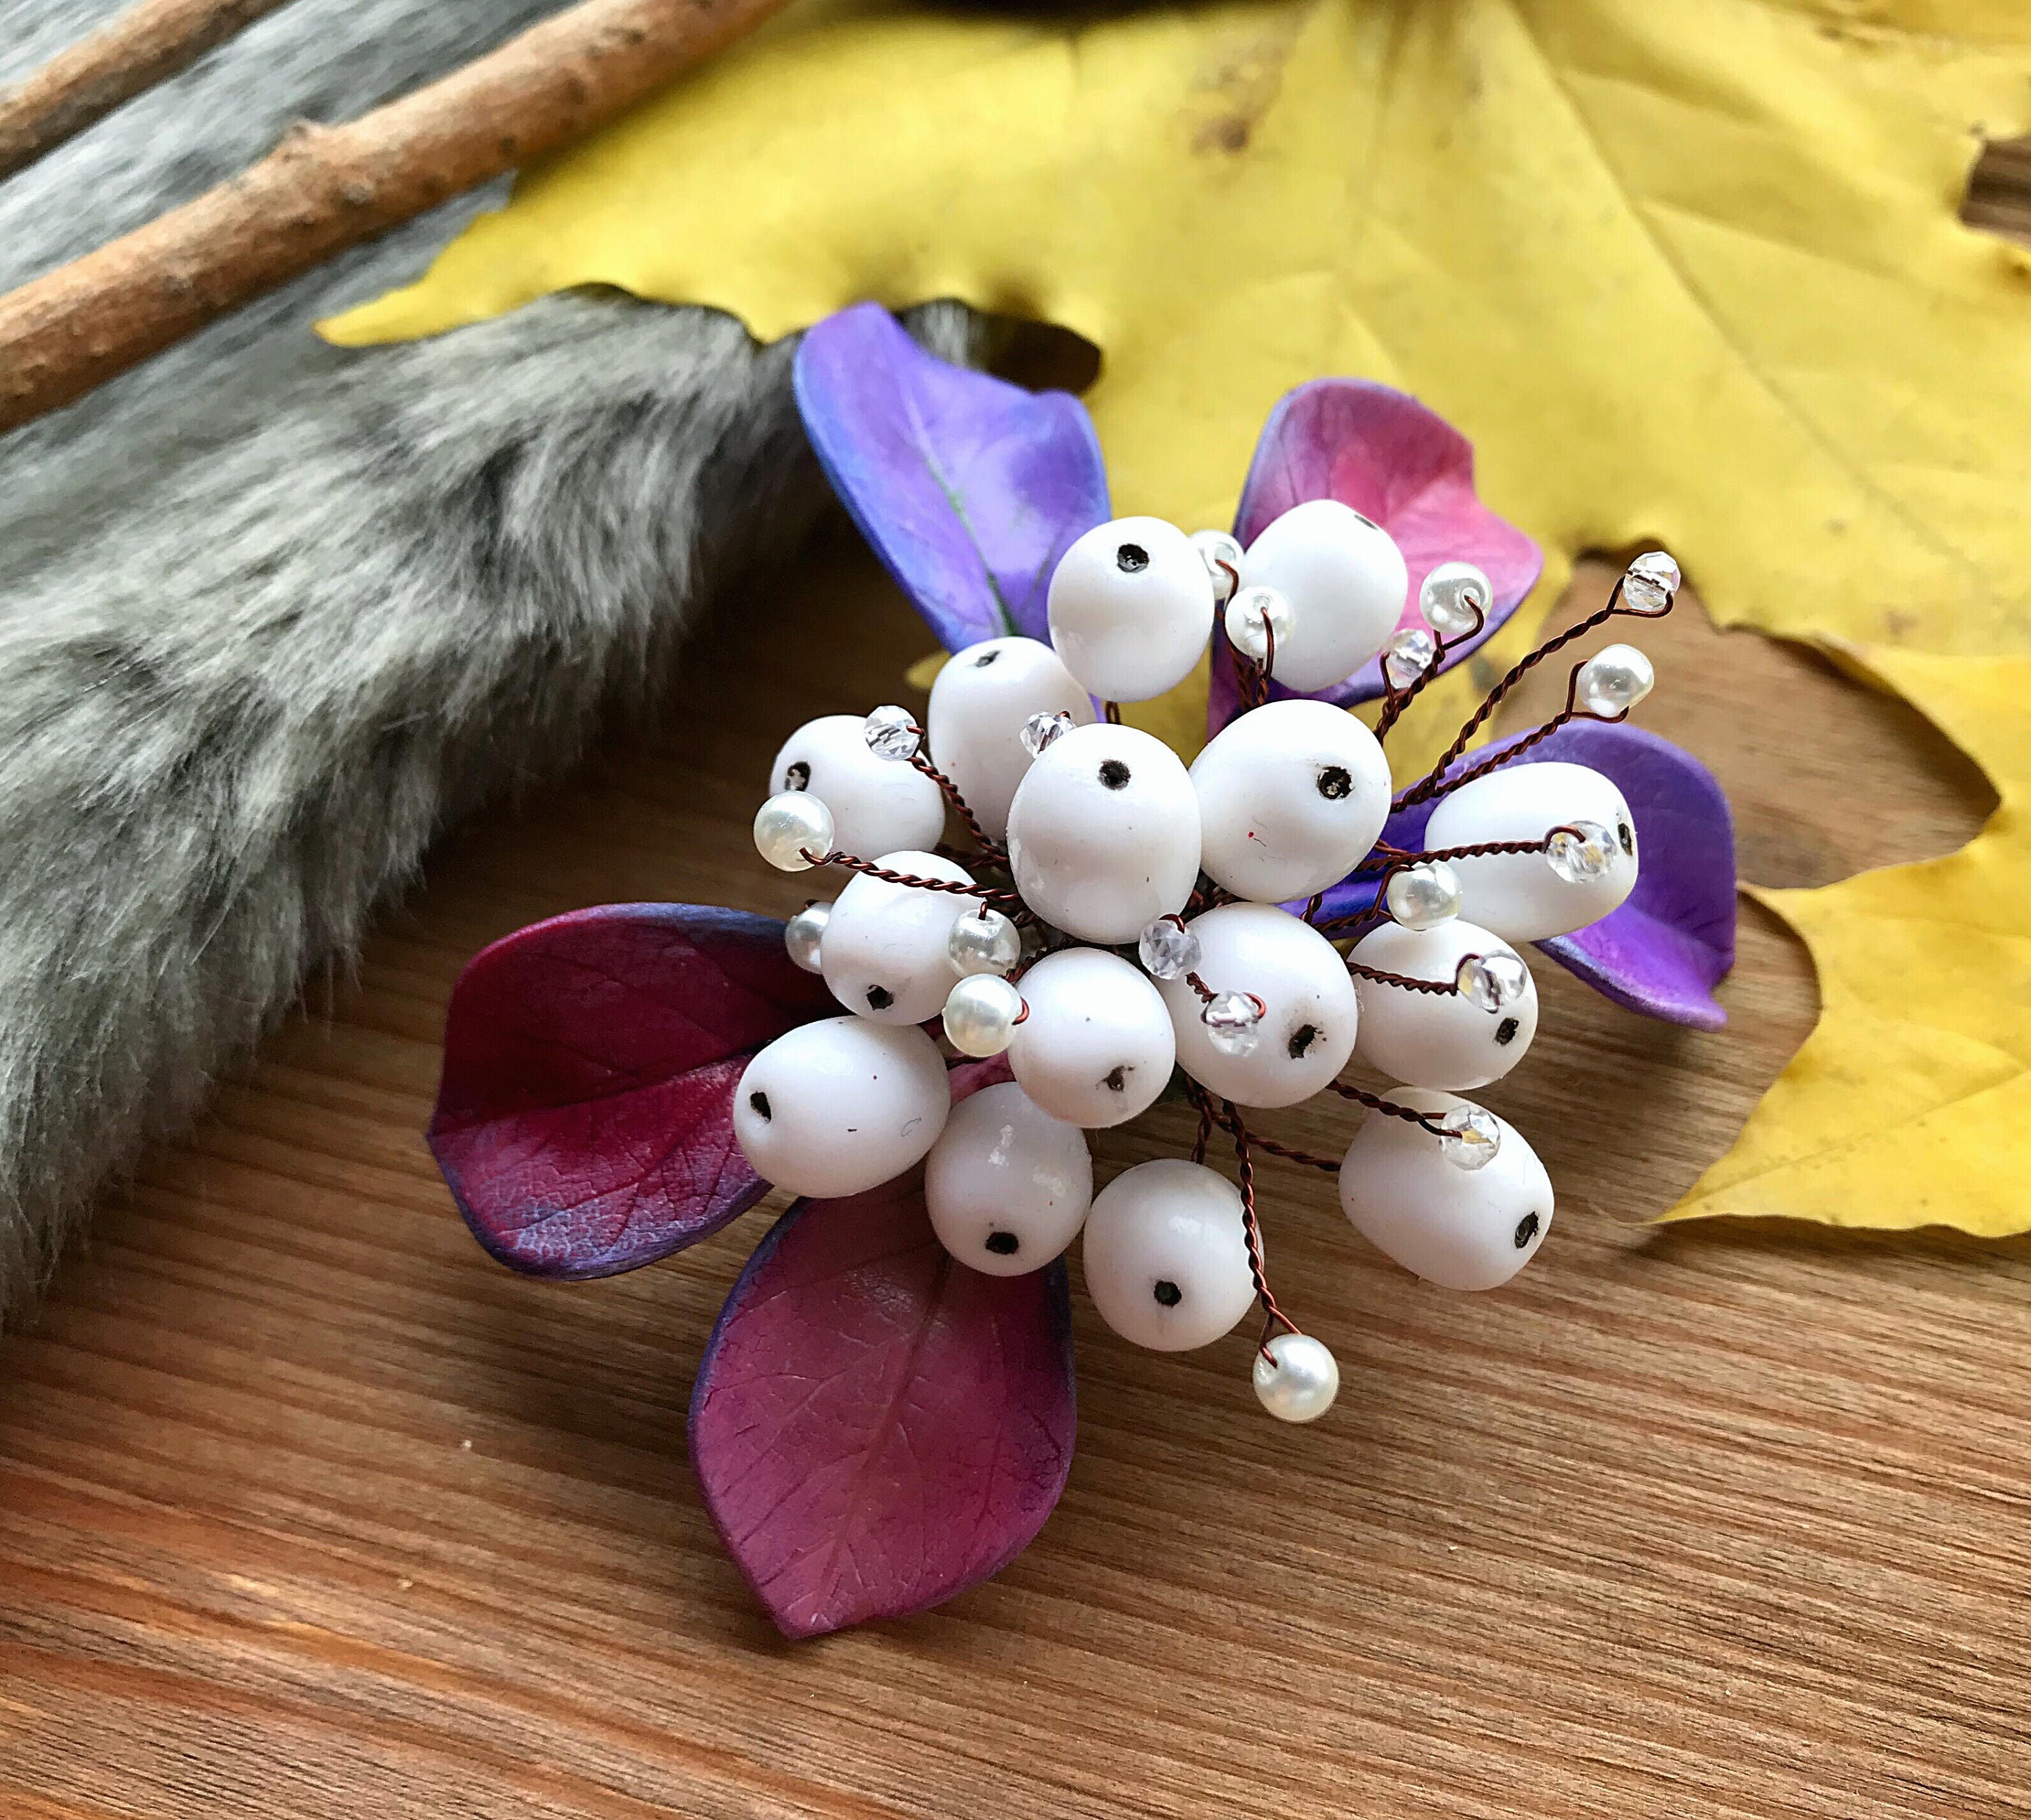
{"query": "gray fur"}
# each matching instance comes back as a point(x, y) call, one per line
point(271, 614)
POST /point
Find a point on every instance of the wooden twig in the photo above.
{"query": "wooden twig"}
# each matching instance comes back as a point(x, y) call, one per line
point(327, 188)
point(147, 44)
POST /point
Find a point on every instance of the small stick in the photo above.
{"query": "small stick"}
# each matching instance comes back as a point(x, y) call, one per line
point(325, 188)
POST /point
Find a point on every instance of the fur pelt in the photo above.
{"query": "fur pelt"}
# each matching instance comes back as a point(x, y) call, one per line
point(271, 614)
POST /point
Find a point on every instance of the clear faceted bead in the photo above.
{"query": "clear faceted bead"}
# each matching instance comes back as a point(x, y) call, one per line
point(1410, 655)
point(1423, 896)
point(1469, 1137)
point(1651, 583)
point(1168, 950)
point(980, 1015)
point(791, 824)
point(1222, 555)
point(1254, 617)
point(1040, 730)
point(1233, 1020)
point(1492, 981)
point(1580, 852)
point(893, 733)
point(1615, 680)
point(803, 932)
point(1456, 597)
point(985, 943)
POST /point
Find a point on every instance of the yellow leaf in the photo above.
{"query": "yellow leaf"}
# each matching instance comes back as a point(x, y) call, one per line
point(1911, 1103)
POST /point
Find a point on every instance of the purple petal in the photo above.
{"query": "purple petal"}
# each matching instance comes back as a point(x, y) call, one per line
point(969, 489)
point(875, 1427)
point(1384, 453)
point(584, 1121)
point(1665, 950)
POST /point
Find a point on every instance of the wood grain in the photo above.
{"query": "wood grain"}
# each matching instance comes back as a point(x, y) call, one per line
point(308, 1510)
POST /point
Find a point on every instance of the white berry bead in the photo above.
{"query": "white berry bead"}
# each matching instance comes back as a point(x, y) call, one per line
point(887, 953)
point(980, 703)
point(1345, 580)
point(877, 805)
point(1521, 896)
point(1166, 1256)
point(1096, 1048)
point(1310, 1011)
point(793, 831)
point(1008, 1186)
point(982, 1013)
point(841, 1106)
point(1291, 798)
point(804, 935)
point(1459, 1228)
point(1104, 833)
point(1440, 1039)
point(1299, 1379)
point(1130, 607)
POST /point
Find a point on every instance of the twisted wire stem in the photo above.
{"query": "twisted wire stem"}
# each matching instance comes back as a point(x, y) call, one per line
point(1375, 1103)
point(989, 848)
point(1397, 700)
point(1252, 1232)
point(853, 863)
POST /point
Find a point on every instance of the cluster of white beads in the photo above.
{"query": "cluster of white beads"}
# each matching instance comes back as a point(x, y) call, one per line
point(1112, 848)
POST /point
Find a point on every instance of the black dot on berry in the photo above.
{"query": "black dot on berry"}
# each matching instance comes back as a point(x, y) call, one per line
point(758, 1105)
point(1115, 1080)
point(1626, 835)
point(1003, 1244)
point(1505, 1032)
point(1131, 558)
point(985, 658)
point(880, 998)
point(798, 777)
point(1167, 1293)
point(1335, 781)
point(1302, 1039)
point(1526, 1230)
point(1113, 773)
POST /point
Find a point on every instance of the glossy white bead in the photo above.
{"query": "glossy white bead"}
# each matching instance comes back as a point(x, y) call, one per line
point(841, 1106)
point(1310, 1012)
point(1299, 1379)
point(1291, 797)
point(984, 942)
point(793, 831)
point(1345, 580)
point(1104, 833)
point(980, 702)
point(1432, 1039)
point(1258, 621)
point(877, 806)
point(1165, 1257)
point(1008, 1186)
point(1456, 597)
point(1222, 555)
point(1422, 895)
point(981, 1014)
point(1098, 1046)
point(1131, 608)
point(1521, 896)
point(887, 951)
point(1614, 680)
point(1461, 1229)
point(804, 933)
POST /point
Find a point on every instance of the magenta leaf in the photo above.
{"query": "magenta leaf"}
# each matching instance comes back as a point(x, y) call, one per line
point(1393, 459)
point(875, 1427)
point(585, 1120)
point(968, 488)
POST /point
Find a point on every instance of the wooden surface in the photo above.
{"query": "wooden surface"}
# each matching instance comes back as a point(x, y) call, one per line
point(308, 1510)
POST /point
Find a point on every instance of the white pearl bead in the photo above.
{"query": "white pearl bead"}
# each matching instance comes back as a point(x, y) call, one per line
point(1423, 896)
point(1096, 1048)
point(1291, 798)
point(1453, 598)
point(878, 806)
point(980, 1014)
point(1131, 608)
point(1614, 680)
point(1299, 1379)
point(1008, 1186)
point(1345, 580)
point(887, 946)
point(804, 935)
point(1165, 1255)
point(1438, 1039)
point(1222, 555)
point(793, 831)
point(979, 704)
point(1461, 1229)
point(841, 1106)
point(1519, 896)
point(1310, 1010)
point(1104, 833)
point(1258, 625)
